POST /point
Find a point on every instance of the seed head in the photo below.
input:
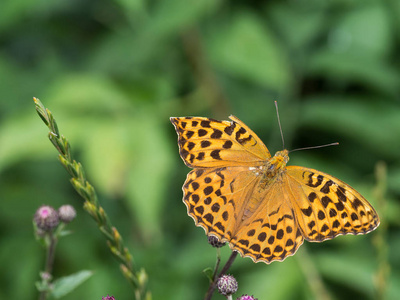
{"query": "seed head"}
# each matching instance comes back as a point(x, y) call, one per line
point(66, 213)
point(246, 297)
point(46, 218)
point(214, 241)
point(227, 285)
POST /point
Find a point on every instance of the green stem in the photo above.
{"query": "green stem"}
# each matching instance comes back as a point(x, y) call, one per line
point(380, 237)
point(312, 275)
point(50, 255)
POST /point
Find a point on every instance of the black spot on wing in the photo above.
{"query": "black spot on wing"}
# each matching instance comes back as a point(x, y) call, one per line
point(307, 211)
point(229, 130)
point(215, 154)
point(205, 144)
point(216, 134)
point(325, 189)
point(227, 145)
point(205, 123)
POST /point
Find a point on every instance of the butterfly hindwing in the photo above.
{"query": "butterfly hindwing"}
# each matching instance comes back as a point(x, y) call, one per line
point(270, 233)
point(213, 198)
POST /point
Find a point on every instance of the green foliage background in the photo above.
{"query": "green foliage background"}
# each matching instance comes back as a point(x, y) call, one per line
point(113, 72)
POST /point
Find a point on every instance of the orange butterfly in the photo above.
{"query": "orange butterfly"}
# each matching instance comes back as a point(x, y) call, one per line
point(264, 209)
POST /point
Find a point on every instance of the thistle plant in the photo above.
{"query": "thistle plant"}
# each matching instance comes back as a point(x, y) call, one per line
point(227, 286)
point(136, 277)
point(49, 227)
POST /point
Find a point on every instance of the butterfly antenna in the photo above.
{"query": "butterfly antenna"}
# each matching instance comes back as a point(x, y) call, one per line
point(314, 147)
point(279, 122)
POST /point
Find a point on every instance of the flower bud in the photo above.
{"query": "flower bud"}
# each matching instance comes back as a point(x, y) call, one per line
point(46, 218)
point(246, 297)
point(66, 213)
point(227, 285)
point(214, 241)
point(108, 298)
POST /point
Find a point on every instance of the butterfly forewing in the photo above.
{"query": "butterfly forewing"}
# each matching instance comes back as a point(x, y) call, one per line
point(327, 207)
point(207, 142)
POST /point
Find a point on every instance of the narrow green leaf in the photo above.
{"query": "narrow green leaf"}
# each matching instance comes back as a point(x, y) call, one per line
point(209, 273)
point(65, 285)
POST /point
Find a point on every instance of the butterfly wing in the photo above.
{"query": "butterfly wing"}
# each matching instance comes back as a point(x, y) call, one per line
point(228, 203)
point(215, 196)
point(209, 143)
point(271, 232)
point(326, 207)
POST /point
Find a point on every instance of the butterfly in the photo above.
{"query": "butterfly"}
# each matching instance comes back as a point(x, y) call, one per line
point(263, 208)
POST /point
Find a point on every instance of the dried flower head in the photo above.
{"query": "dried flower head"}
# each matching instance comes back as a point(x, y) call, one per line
point(46, 218)
point(214, 241)
point(227, 285)
point(246, 297)
point(66, 213)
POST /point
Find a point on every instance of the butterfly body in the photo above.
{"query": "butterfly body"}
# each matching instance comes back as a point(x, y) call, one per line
point(274, 168)
point(263, 208)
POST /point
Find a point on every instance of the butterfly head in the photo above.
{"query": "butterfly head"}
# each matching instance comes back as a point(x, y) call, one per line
point(279, 160)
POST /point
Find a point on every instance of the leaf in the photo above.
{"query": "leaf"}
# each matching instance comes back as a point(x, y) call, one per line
point(272, 286)
point(65, 285)
point(349, 33)
point(355, 67)
point(151, 164)
point(360, 126)
point(209, 273)
point(247, 48)
point(299, 27)
point(349, 269)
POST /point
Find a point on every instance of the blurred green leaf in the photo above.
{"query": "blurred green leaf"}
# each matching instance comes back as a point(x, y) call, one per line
point(349, 118)
point(209, 273)
point(353, 68)
point(275, 281)
point(173, 16)
point(299, 27)
point(245, 47)
point(151, 166)
point(20, 137)
point(353, 271)
point(355, 33)
point(67, 284)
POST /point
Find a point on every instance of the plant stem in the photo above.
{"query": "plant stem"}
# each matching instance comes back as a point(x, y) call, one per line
point(50, 255)
point(213, 284)
point(312, 275)
point(380, 238)
point(217, 263)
